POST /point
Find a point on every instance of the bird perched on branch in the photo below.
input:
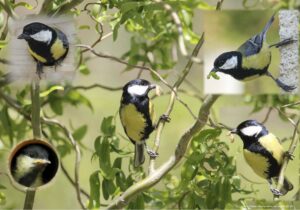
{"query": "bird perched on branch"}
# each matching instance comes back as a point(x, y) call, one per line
point(48, 46)
point(263, 153)
point(29, 165)
point(251, 60)
point(137, 116)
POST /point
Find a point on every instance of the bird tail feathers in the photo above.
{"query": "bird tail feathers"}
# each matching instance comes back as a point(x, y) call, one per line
point(286, 187)
point(139, 157)
point(267, 26)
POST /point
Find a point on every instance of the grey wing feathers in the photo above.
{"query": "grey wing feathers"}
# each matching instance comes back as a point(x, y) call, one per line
point(255, 43)
point(62, 37)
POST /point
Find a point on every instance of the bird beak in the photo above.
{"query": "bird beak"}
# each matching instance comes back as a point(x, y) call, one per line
point(41, 162)
point(152, 86)
point(23, 36)
point(214, 70)
point(233, 131)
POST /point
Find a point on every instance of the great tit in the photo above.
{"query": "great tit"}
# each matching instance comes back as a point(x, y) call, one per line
point(263, 153)
point(48, 46)
point(251, 60)
point(29, 165)
point(137, 116)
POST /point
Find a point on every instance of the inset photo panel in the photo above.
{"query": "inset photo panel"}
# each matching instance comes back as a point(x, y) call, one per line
point(253, 52)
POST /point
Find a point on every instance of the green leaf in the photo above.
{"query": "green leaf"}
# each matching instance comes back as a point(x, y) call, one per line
point(80, 132)
point(2, 198)
point(97, 146)
point(6, 123)
point(115, 31)
point(108, 188)
point(2, 187)
point(64, 150)
point(104, 160)
point(107, 126)
point(94, 201)
point(138, 203)
point(3, 44)
point(50, 90)
point(24, 4)
point(204, 135)
point(56, 106)
point(84, 69)
point(130, 6)
point(84, 27)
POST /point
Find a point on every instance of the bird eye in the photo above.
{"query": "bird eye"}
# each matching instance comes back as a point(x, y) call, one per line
point(32, 155)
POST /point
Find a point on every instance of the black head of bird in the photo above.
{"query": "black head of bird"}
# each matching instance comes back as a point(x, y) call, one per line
point(250, 131)
point(138, 88)
point(30, 163)
point(228, 62)
point(38, 32)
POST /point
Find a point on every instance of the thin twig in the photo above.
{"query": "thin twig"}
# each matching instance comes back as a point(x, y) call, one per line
point(287, 157)
point(36, 129)
point(292, 104)
point(77, 155)
point(97, 21)
point(267, 115)
point(219, 4)
point(65, 172)
point(96, 86)
point(159, 131)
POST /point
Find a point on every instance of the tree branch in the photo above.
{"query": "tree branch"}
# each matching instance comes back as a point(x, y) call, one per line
point(287, 157)
point(181, 148)
point(96, 86)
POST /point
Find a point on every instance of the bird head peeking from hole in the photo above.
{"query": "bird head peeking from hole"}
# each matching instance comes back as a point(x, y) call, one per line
point(30, 164)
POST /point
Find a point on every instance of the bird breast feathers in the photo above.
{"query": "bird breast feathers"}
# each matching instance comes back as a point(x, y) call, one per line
point(257, 162)
point(133, 121)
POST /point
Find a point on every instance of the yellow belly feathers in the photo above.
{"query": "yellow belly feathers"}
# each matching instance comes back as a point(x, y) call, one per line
point(134, 121)
point(259, 163)
point(57, 49)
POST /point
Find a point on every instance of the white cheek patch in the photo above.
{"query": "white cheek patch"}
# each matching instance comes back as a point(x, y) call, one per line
point(230, 63)
point(43, 36)
point(251, 130)
point(24, 163)
point(138, 90)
